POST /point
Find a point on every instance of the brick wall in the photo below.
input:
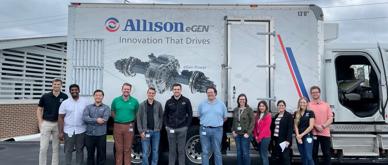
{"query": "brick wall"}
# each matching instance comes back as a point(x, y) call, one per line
point(18, 120)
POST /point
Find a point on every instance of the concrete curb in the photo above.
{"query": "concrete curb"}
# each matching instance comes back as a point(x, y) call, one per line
point(33, 137)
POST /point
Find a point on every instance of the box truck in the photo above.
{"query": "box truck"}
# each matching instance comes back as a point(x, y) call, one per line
point(269, 52)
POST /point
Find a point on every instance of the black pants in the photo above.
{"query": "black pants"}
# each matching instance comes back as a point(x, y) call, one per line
point(93, 143)
point(279, 157)
point(325, 143)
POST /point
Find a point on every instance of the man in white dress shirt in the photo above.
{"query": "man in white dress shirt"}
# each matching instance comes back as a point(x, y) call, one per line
point(71, 125)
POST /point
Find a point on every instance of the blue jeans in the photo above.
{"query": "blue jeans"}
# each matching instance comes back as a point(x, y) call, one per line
point(153, 139)
point(211, 141)
point(263, 150)
point(243, 145)
point(306, 150)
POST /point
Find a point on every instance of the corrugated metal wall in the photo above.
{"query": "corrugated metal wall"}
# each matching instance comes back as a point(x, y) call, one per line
point(88, 65)
point(27, 73)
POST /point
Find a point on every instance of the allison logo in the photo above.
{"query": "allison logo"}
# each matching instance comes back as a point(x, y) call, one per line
point(143, 25)
point(148, 26)
point(112, 24)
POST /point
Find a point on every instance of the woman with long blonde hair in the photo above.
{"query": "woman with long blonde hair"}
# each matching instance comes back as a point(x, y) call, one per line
point(303, 125)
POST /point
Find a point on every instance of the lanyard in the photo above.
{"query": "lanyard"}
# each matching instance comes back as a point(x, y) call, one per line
point(239, 114)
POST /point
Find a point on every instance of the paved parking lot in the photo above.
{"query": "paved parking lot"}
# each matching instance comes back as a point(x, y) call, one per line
point(27, 152)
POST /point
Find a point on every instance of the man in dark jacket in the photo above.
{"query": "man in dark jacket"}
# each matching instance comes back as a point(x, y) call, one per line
point(177, 117)
point(149, 123)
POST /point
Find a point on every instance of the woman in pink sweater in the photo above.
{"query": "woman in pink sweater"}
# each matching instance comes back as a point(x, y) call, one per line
point(262, 131)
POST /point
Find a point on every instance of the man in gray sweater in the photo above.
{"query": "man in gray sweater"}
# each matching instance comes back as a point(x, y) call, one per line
point(149, 123)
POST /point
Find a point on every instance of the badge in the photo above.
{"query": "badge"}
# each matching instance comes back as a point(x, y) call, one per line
point(147, 135)
point(204, 133)
point(239, 128)
point(130, 129)
point(309, 140)
point(172, 131)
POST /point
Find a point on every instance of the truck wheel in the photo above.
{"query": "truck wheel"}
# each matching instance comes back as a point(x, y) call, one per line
point(193, 147)
point(137, 153)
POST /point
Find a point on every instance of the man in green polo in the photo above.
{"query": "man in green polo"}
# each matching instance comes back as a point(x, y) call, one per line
point(124, 109)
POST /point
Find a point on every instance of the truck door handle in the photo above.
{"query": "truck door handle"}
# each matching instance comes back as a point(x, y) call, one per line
point(234, 92)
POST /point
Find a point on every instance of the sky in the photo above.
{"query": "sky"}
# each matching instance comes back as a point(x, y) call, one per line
point(359, 20)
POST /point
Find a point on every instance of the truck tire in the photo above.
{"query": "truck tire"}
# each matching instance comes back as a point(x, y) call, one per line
point(137, 153)
point(193, 147)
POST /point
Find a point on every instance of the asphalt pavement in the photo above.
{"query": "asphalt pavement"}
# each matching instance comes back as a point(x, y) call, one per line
point(27, 153)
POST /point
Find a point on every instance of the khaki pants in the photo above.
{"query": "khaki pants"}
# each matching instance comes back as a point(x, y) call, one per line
point(123, 136)
point(47, 129)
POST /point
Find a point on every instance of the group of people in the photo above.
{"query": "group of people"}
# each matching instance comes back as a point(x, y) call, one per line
point(310, 123)
point(78, 123)
point(75, 121)
point(81, 124)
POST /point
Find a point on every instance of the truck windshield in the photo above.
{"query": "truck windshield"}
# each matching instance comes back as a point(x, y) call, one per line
point(358, 88)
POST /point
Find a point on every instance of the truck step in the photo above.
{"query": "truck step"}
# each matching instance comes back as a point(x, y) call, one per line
point(383, 139)
point(359, 153)
point(356, 144)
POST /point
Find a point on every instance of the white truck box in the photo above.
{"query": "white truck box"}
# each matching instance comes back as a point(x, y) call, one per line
point(269, 52)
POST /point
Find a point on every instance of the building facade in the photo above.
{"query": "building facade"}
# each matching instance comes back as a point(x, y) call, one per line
point(27, 67)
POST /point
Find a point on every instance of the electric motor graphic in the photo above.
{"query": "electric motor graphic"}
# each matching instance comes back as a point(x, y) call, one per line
point(162, 72)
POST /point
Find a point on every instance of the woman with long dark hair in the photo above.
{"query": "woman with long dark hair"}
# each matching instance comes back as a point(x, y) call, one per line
point(303, 125)
point(282, 128)
point(262, 131)
point(242, 129)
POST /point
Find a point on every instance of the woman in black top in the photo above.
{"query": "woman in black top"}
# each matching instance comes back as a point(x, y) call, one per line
point(303, 124)
point(282, 128)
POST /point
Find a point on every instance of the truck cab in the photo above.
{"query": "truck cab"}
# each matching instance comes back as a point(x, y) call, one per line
point(356, 88)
